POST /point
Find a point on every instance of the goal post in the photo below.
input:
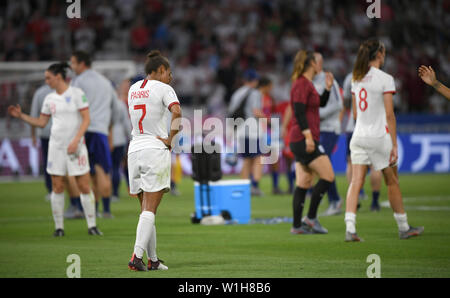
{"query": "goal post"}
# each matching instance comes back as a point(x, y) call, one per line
point(115, 70)
point(19, 81)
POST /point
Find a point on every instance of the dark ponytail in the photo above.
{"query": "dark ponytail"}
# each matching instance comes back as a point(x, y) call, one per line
point(59, 68)
point(154, 60)
point(367, 52)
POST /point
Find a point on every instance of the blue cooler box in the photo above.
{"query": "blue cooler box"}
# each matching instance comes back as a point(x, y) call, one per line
point(230, 195)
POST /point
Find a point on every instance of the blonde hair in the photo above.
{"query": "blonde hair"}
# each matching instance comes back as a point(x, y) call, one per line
point(302, 61)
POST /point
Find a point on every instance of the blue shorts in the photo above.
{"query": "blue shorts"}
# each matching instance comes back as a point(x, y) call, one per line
point(249, 151)
point(98, 148)
point(328, 140)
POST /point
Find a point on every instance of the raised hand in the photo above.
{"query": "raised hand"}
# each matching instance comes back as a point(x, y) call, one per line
point(15, 111)
point(329, 79)
point(427, 75)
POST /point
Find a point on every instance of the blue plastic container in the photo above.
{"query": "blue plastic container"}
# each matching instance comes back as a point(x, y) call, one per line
point(225, 195)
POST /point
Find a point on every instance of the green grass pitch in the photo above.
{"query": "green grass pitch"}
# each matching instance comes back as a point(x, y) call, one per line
point(28, 249)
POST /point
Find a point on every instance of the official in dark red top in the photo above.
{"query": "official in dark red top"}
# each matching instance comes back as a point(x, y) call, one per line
point(304, 142)
point(304, 93)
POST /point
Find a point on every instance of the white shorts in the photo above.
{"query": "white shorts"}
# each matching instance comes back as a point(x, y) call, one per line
point(149, 170)
point(371, 151)
point(60, 163)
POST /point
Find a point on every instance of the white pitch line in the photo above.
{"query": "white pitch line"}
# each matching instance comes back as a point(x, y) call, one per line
point(428, 208)
point(386, 204)
point(437, 198)
point(24, 219)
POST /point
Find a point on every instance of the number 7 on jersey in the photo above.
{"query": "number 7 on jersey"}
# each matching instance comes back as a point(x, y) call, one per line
point(144, 111)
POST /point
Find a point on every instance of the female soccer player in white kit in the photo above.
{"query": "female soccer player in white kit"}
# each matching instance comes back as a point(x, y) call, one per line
point(67, 153)
point(374, 140)
point(150, 101)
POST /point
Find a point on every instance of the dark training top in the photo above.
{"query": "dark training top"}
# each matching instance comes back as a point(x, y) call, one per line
point(305, 104)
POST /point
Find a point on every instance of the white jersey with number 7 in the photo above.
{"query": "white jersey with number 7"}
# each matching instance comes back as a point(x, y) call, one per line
point(149, 103)
point(370, 111)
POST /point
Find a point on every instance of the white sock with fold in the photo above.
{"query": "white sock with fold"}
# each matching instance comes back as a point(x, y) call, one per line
point(88, 203)
point(350, 222)
point(143, 233)
point(151, 249)
point(57, 203)
point(402, 221)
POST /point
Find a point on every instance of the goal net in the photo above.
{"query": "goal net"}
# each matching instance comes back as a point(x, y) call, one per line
point(19, 81)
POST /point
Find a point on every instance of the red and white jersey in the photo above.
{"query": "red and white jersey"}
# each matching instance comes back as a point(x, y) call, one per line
point(369, 94)
point(149, 103)
point(65, 112)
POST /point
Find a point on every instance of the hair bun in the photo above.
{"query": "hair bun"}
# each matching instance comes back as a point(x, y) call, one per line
point(154, 53)
point(154, 60)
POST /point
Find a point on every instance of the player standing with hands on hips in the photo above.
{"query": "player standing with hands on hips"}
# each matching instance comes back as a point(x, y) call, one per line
point(374, 140)
point(67, 152)
point(304, 142)
point(150, 103)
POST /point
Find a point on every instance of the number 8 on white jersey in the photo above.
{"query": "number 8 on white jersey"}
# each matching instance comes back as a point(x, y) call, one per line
point(369, 95)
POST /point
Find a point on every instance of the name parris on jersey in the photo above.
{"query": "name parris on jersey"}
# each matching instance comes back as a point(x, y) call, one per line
point(140, 94)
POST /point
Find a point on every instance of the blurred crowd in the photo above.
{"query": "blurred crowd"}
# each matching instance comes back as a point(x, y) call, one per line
point(211, 43)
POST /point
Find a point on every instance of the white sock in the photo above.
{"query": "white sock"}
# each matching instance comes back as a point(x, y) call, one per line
point(88, 203)
point(57, 203)
point(151, 249)
point(143, 233)
point(350, 222)
point(402, 221)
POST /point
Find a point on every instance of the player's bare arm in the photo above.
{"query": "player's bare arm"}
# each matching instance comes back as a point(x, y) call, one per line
point(85, 120)
point(428, 75)
point(391, 123)
point(341, 114)
point(310, 145)
point(354, 106)
point(16, 111)
point(329, 79)
point(33, 136)
point(174, 125)
point(286, 118)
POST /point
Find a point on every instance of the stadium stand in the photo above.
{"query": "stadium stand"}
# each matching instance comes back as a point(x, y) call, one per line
point(219, 39)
